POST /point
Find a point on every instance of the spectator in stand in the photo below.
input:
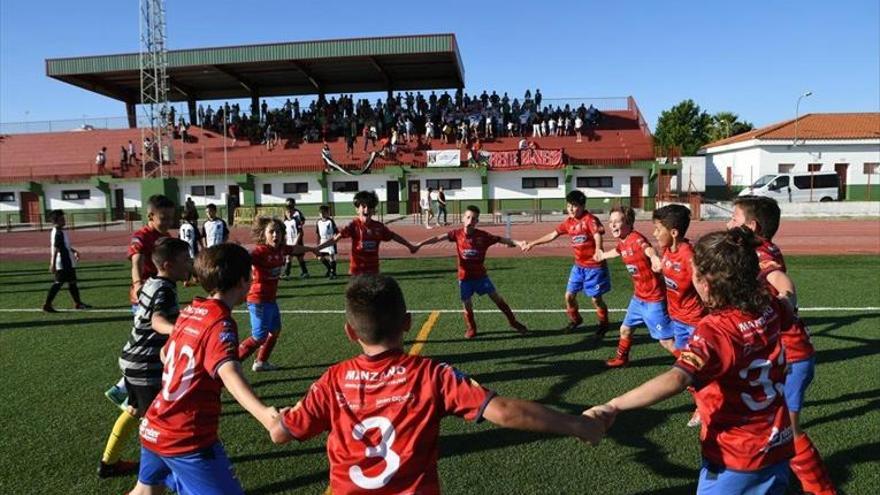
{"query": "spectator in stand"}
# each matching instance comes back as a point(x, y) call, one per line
point(578, 128)
point(123, 157)
point(429, 132)
point(366, 136)
point(101, 158)
point(538, 98)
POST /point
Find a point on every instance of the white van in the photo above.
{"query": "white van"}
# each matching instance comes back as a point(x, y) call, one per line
point(788, 188)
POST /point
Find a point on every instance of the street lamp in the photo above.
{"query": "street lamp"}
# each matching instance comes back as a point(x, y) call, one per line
point(797, 108)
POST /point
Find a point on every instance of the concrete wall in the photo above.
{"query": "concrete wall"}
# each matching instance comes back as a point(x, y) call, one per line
point(314, 196)
point(692, 175)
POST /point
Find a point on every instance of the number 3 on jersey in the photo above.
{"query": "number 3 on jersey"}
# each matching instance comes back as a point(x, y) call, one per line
point(383, 450)
point(770, 389)
point(172, 360)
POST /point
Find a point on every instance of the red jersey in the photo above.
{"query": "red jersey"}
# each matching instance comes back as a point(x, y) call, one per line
point(471, 251)
point(184, 415)
point(795, 337)
point(581, 231)
point(738, 370)
point(142, 242)
point(365, 239)
point(648, 286)
point(267, 263)
point(682, 300)
point(383, 413)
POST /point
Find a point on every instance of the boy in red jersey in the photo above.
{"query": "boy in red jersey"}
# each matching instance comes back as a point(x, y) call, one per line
point(471, 245)
point(180, 445)
point(366, 234)
point(160, 218)
point(736, 364)
point(589, 273)
point(648, 304)
point(383, 408)
point(761, 215)
point(268, 260)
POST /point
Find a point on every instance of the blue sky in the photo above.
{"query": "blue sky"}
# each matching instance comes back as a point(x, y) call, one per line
point(750, 57)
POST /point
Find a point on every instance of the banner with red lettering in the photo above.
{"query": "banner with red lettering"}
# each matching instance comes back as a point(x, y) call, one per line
point(500, 160)
point(525, 159)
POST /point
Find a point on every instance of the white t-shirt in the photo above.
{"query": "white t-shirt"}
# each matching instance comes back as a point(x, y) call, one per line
point(291, 231)
point(63, 246)
point(216, 231)
point(326, 230)
point(188, 235)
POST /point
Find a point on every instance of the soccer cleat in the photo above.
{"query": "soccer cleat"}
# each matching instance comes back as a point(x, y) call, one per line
point(695, 420)
point(470, 333)
point(118, 468)
point(520, 328)
point(617, 362)
point(304, 275)
point(47, 308)
point(263, 366)
point(82, 306)
point(117, 396)
point(601, 330)
point(572, 326)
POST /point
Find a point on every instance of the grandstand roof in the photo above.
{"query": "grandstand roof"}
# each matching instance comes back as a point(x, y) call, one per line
point(355, 65)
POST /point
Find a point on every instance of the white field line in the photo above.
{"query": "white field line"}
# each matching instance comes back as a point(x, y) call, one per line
point(818, 309)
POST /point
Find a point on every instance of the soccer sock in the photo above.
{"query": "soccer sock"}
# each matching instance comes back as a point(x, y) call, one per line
point(675, 353)
point(469, 319)
point(74, 293)
point(302, 265)
point(121, 383)
point(247, 347)
point(326, 263)
point(505, 308)
point(807, 465)
point(623, 347)
point(53, 291)
point(287, 268)
point(266, 349)
point(333, 267)
point(122, 429)
point(602, 313)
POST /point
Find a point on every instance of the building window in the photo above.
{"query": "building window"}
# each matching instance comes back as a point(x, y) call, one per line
point(446, 184)
point(814, 167)
point(267, 188)
point(202, 190)
point(7, 197)
point(346, 186)
point(872, 169)
point(299, 187)
point(786, 168)
point(540, 182)
point(595, 182)
point(76, 194)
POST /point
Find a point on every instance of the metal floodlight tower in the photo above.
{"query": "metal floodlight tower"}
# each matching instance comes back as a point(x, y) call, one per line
point(153, 61)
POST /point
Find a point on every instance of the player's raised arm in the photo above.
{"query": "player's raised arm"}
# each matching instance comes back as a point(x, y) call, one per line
point(597, 238)
point(230, 373)
point(433, 240)
point(511, 243)
point(329, 242)
point(531, 416)
point(647, 394)
point(784, 285)
point(541, 240)
point(401, 240)
point(656, 263)
point(137, 267)
point(605, 255)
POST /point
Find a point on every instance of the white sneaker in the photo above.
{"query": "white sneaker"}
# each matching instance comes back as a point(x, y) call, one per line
point(695, 420)
point(263, 366)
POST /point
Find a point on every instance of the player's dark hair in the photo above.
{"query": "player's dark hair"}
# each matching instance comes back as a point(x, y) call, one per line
point(221, 267)
point(366, 198)
point(167, 249)
point(473, 209)
point(676, 217)
point(159, 202)
point(56, 215)
point(324, 208)
point(211, 207)
point(728, 262)
point(576, 198)
point(629, 215)
point(291, 202)
point(374, 307)
point(764, 211)
point(258, 231)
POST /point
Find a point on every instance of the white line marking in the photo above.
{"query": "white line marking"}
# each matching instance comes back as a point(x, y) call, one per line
point(820, 309)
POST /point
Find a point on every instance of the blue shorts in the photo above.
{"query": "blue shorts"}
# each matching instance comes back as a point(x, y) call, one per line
point(480, 286)
point(718, 480)
point(799, 376)
point(265, 318)
point(651, 314)
point(207, 471)
point(592, 281)
point(682, 333)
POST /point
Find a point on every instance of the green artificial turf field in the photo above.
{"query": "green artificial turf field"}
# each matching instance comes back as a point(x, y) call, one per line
point(55, 367)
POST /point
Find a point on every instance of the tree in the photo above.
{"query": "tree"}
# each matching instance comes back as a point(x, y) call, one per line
point(684, 127)
point(727, 124)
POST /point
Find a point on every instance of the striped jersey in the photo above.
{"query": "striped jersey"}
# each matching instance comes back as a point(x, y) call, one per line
point(140, 361)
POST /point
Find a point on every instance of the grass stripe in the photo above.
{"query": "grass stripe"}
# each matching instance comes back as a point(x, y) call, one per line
point(818, 309)
point(422, 337)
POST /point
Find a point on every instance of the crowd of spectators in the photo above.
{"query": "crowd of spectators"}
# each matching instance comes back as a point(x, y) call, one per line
point(407, 117)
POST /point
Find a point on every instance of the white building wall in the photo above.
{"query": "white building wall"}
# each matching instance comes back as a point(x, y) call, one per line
point(15, 205)
point(131, 194)
point(745, 165)
point(691, 175)
point(471, 184)
point(218, 198)
point(508, 185)
point(372, 182)
point(52, 192)
point(314, 196)
point(619, 182)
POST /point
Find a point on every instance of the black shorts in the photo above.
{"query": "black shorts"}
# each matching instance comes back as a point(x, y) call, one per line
point(66, 276)
point(141, 396)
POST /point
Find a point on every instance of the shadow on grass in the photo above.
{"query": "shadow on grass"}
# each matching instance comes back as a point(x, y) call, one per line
point(290, 484)
point(840, 463)
point(65, 321)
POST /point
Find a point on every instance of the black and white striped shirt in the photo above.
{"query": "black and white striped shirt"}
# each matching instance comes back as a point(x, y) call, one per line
point(140, 361)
